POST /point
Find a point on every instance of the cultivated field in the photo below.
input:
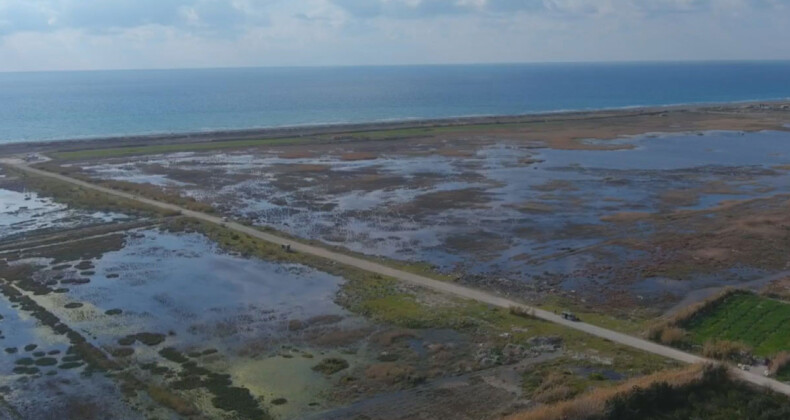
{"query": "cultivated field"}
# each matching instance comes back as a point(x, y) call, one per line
point(762, 323)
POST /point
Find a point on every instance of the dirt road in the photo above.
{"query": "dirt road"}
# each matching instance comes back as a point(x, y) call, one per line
point(436, 285)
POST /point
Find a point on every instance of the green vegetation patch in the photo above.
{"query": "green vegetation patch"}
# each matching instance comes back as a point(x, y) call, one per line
point(46, 361)
point(634, 322)
point(238, 144)
point(762, 323)
point(149, 339)
point(170, 148)
point(372, 134)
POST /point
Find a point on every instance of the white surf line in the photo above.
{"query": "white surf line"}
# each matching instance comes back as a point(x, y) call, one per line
point(429, 283)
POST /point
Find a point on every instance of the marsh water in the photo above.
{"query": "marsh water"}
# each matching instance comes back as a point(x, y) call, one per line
point(24, 212)
point(43, 390)
point(234, 315)
point(183, 284)
point(505, 209)
point(168, 303)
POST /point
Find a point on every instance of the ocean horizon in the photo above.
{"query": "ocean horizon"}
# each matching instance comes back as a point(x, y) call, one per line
point(47, 106)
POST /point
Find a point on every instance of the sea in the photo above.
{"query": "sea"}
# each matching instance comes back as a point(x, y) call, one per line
point(42, 106)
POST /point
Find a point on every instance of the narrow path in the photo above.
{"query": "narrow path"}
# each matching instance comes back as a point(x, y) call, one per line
point(429, 283)
point(55, 244)
point(60, 238)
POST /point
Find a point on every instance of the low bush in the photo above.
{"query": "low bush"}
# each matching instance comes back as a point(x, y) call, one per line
point(727, 350)
point(593, 404)
point(696, 392)
point(672, 336)
point(522, 312)
point(331, 365)
point(779, 363)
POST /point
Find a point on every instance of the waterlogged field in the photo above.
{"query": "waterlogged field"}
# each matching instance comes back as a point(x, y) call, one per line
point(112, 309)
point(162, 322)
point(42, 377)
point(151, 315)
point(762, 323)
point(160, 317)
point(23, 211)
point(178, 310)
point(518, 216)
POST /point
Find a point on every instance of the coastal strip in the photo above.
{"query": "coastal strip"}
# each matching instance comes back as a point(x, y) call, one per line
point(305, 132)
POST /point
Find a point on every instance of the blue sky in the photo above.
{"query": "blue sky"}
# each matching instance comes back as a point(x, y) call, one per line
point(110, 34)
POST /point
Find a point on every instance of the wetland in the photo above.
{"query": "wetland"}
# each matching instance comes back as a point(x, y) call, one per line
point(110, 308)
point(503, 214)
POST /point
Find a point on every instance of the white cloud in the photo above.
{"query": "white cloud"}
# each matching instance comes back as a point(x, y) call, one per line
point(83, 34)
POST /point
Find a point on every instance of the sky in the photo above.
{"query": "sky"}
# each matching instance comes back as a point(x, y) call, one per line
point(130, 34)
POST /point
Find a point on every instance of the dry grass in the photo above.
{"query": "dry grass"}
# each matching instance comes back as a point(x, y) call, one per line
point(778, 289)
point(553, 390)
point(672, 335)
point(713, 254)
point(174, 402)
point(355, 156)
point(725, 350)
point(593, 403)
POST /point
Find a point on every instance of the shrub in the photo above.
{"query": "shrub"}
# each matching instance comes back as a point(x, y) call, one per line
point(779, 361)
point(331, 365)
point(554, 394)
point(522, 311)
point(594, 403)
point(672, 336)
point(726, 350)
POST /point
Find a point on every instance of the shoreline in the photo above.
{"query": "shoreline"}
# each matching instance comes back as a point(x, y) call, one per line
point(108, 142)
